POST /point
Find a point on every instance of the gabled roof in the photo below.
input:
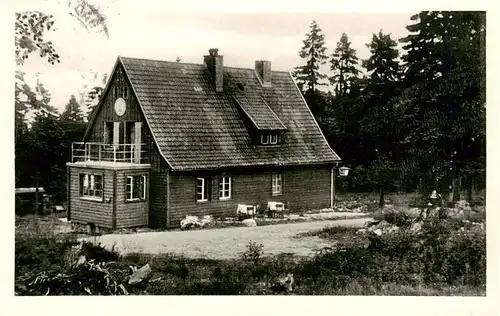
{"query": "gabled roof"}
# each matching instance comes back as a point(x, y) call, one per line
point(197, 128)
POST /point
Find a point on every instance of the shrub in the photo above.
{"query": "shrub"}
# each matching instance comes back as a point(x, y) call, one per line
point(400, 219)
point(98, 252)
point(40, 253)
point(253, 253)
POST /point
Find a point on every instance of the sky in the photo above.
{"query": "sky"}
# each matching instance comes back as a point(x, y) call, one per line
point(148, 29)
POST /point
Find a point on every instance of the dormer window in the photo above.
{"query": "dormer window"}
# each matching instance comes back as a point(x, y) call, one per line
point(264, 139)
point(274, 139)
point(269, 139)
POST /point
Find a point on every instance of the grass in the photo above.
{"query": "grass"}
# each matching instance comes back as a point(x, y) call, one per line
point(389, 266)
point(443, 260)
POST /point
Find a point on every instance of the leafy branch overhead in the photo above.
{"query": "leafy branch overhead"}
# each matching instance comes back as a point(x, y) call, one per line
point(90, 17)
point(30, 28)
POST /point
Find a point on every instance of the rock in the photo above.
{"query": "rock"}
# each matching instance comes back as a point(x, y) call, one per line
point(462, 204)
point(140, 275)
point(207, 219)
point(191, 222)
point(284, 284)
point(123, 289)
point(81, 260)
point(371, 223)
point(452, 212)
point(250, 222)
point(416, 227)
point(413, 212)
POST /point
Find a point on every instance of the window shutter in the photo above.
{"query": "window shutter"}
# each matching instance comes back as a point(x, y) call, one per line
point(116, 133)
point(137, 142)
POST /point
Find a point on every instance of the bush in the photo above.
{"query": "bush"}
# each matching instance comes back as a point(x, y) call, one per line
point(49, 266)
point(98, 252)
point(40, 253)
point(400, 219)
point(253, 253)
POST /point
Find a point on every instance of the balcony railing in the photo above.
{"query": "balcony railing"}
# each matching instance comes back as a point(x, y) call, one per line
point(124, 153)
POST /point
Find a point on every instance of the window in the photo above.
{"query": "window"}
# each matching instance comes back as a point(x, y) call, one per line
point(264, 139)
point(125, 92)
point(136, 188)
point(277, 183)
point(202, 189)
point(91, 186)
point(269, 139)
point(225, 188)
point(274, 139)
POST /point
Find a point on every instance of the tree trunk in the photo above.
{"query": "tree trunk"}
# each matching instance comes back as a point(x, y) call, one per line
point(454, 194)
point(469, 190)
point(458, 189)
point(37, 203)
point(472, 190)
point(381, 202)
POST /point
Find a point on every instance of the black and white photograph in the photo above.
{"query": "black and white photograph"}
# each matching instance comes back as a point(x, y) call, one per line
point(176, 153)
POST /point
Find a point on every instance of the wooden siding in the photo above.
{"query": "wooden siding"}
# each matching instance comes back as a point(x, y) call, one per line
point(304, 188)
point(130, 214)
point(157, 216)
point(107, 111)
point(87, 211)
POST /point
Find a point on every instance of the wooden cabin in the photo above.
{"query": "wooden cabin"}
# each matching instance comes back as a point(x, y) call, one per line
point(171, 139)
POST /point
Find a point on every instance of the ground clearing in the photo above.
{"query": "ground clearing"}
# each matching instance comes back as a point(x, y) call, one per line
point(226, 243)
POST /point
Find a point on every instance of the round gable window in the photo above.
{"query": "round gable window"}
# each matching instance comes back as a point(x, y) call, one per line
point(120, 106)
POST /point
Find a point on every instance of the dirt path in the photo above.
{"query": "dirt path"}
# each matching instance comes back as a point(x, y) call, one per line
point(225, 243)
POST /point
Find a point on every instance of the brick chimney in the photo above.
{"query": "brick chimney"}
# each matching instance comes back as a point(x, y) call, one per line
point(215, 65)
point(263, 69)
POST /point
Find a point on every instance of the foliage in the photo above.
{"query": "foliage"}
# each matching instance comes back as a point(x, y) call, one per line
point(443, 98)
point(48, 266)
point(394, 217)
point(442, 260)
point(72, 111)
point(89, 16)
point(415, 121)
point(344, 66)
point(30, 27)
point(314, 52)
point(40, 253)
point(253, 253)
point(98, 252)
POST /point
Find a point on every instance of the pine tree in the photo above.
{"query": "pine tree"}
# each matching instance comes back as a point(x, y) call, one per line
point(379, 124)
point(343, 65)
point(443, 99)
point(72, 111)
point(314, 52)
point(382, 84)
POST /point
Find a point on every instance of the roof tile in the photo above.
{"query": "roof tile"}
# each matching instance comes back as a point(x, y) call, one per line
point(202, 129)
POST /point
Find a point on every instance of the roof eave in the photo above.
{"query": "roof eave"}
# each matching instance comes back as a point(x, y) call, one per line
point(144, 114)
point(101, 100)
point(315, 122)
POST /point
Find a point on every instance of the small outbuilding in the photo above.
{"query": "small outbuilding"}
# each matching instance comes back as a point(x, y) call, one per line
point(26, 200)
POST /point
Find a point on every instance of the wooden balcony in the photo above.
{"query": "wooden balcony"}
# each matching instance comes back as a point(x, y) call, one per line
point(108, 153)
